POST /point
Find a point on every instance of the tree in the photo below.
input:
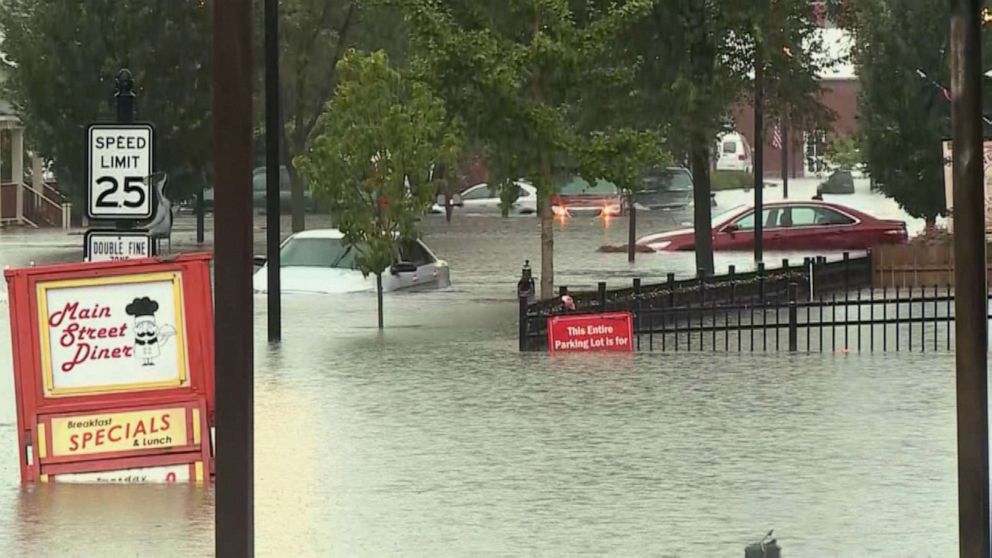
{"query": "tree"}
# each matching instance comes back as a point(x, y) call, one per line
point(904, 118)
point(63, 57)
point(372, 156)
point(518, 74)
point(314, 35)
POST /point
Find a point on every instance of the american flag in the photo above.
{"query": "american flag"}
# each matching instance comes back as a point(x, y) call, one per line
point(777, 136)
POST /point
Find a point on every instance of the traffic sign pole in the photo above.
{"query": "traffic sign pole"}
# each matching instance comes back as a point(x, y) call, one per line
point(124, 98)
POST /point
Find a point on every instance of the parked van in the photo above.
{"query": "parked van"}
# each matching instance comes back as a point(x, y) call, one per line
point(733, 153)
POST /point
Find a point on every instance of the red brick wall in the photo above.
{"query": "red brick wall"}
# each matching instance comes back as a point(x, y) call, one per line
point(841, 96)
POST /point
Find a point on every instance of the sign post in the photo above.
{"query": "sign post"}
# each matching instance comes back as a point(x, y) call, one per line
point(119, 164)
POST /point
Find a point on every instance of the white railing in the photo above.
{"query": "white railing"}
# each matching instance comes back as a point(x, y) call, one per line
point(64, 209)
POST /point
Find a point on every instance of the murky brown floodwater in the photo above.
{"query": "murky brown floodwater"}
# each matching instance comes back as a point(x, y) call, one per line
point(438, 438)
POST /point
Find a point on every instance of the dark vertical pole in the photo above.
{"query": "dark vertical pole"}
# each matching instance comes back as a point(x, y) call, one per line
point(601, 295)
point(124, 102)
point(637, 309)
point(759, 154)
point(971, 322)
point(200, 210)
point(233, 329)
point(785, 158)
point(522, 316)
point(631, 227)
point(272, 175)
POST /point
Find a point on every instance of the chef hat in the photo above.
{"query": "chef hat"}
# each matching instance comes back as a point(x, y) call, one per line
point(143, 306)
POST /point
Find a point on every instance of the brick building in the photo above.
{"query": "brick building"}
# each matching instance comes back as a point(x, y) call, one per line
point(839, 93)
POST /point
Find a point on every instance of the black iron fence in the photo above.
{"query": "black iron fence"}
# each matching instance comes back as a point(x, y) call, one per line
point(671, 302)
point(864, 320)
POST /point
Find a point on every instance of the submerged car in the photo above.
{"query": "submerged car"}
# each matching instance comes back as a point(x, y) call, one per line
point(481, 199)
point(669, 189)
point(579, 197)
point(319, 261)
point(840, 182)
point(789, 226)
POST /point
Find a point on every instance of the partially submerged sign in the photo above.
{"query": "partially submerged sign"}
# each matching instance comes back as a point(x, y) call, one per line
point(612, 332)
point(119, 164)
point(113, 368)
point(110, 245)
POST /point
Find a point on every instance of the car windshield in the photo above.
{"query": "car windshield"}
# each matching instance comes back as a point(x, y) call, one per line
point(579, 187)
point(670, 181)
point(317, 252)
point(719, 218)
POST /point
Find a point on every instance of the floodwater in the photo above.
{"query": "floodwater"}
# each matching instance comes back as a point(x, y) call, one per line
point(438, 438)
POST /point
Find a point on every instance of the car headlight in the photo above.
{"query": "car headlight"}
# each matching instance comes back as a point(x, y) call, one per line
point(611, 210)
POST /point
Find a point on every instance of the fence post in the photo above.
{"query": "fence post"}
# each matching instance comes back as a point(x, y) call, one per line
point(671, 290)
point(701, 275)
point(793, 317)
point(523, 329)
point(808, 268)
point(732, 276)
point(847, 271)
point(601, 287)
point(871, 269)
point(761, 282)
point(637, 310)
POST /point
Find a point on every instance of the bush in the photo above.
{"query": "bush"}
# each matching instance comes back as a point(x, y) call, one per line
point(731, 180)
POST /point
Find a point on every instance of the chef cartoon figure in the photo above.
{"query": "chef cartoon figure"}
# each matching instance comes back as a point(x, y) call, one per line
point(148, 335)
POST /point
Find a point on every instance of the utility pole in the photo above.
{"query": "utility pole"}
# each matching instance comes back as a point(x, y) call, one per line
point(970, 288)
point(272, 172)
point(233, 318)
point(759, 152)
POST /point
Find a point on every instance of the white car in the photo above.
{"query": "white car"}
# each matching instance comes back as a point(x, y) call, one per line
point(318, 261)
point(733, 153)
point(480, 199)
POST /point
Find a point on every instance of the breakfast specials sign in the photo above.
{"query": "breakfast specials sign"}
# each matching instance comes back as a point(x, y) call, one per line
point(115, 432)
point(111, 334)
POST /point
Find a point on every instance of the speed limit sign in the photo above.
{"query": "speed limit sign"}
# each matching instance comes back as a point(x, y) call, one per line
point(120, 164)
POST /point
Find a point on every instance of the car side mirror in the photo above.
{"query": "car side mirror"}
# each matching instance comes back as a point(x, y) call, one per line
point(440, 200)
point(402, 267)
point(456, 200)
point(259, 260)
point(732, 228)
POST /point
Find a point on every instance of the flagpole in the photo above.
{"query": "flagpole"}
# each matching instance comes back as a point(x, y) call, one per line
point(785, 160)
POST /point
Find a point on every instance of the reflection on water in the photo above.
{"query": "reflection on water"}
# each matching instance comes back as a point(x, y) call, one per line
point(437, 438)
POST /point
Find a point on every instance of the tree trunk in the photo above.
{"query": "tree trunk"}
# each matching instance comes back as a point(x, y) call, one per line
point(378, 294)
point(930, 224)
point(449, 207)
point(700, 161)
point(547, 233)
point(631, 227)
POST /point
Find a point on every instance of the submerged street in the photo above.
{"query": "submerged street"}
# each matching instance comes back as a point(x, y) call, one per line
point(437, 436)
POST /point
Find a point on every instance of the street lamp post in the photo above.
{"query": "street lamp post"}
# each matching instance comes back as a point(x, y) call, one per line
point(272, 174)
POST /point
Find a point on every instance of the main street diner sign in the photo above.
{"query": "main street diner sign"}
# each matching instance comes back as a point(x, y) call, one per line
point(613, 332)
point(113, 366)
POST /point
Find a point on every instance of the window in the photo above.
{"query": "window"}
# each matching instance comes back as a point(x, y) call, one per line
point(415, 253)
point(579, 187)
point(729, 147)
point(480, 192)
point(317, 252)
point(825, 216)
point(521, 193)
point(808, 217)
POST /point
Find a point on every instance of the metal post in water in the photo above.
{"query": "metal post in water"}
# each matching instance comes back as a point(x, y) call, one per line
point(234, 315)
point(601, 295)
point(970, 298)
point(793, 317)
point(759, 154)
point(272, 174)
point(523, 301)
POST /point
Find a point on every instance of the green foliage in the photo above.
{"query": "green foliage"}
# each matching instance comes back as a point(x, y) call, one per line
point(65, 54)
point(903, 118)
point(372, 157)
point(731, 180)
point(621, 156)
point(845, 153)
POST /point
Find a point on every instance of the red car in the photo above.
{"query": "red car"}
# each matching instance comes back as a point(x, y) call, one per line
point(790, 225)
point(578, 197)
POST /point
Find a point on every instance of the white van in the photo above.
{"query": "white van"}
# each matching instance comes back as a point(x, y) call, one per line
point(733, 153)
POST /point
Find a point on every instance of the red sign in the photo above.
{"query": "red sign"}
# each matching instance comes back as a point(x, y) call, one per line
point(591, 332)
point(114, 369)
